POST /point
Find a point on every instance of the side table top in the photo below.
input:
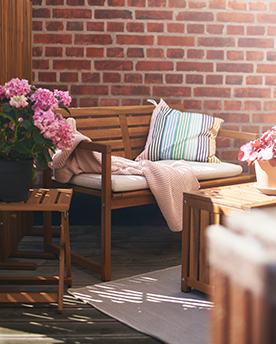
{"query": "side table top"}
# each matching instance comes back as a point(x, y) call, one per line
point(239, 196)
point(42, 200)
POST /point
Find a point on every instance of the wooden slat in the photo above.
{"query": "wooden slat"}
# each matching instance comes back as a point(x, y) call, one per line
point(98, 122)
point(22, 297)
point(95, 134)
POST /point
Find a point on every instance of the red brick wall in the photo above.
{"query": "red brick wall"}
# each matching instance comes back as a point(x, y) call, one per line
point(214, 56)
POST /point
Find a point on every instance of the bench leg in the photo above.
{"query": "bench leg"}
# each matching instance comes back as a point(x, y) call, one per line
point(185, 247)
point(106, 242)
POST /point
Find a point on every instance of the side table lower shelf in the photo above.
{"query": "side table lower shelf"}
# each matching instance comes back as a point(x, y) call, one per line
point(41, 200)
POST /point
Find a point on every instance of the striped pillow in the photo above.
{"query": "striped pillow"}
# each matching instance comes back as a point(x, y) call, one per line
point(182, 135)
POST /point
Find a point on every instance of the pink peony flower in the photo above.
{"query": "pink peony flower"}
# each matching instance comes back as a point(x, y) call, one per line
point(16, 87)
point(18, 101)
point(44, 99)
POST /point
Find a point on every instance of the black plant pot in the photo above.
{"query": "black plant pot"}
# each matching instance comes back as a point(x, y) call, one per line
point(15, 180)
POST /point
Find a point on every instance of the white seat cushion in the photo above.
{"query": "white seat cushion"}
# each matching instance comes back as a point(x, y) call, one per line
point(119, 183)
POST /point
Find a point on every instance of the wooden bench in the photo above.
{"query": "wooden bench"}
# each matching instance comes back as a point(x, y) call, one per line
point(122, 131)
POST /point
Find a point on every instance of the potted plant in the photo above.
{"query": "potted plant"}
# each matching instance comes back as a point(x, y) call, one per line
point(30, 128)
point(262, 152)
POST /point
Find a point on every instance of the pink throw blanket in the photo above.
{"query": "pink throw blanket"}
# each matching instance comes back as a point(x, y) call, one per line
point(167, 183)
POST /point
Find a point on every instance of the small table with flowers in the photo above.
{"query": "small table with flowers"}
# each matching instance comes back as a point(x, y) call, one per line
point(44, 200)
point(206, 207)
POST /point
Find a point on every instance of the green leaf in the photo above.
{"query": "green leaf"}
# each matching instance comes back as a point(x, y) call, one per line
point(21, 147)
point(66, 109)
point(5, 115)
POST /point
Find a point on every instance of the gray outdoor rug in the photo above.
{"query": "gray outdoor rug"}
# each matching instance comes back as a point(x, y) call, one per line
point(153, 303)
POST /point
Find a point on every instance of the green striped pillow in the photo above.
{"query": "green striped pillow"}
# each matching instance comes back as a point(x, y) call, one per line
point(182, 135)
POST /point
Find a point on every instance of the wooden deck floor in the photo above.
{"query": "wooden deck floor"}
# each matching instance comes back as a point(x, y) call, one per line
point(140, 244)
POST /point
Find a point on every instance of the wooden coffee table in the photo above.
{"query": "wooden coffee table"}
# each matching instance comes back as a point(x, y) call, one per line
point(205, 207)
point(45, 200)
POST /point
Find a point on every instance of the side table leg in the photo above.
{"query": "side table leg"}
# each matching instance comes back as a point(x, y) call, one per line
point(185, 246)
point(67, 249)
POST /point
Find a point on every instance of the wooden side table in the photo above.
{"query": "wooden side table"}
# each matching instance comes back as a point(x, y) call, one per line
point(205, 207)
point(45, 200)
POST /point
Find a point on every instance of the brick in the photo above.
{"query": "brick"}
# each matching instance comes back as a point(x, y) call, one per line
point(272, 6)
point(87, 39)
point(251, 129)
point(194, 79)
point(254, 56)
point(257, 6)
point(271, 31)
point(71, 64)
point(266, 18)
point(233, 79)
point(74, 26)
point(53, 2)
point(177, 3)
point(175, 53)
point(153, 15)
point(126, 90)
point(235, 30)
point(133, 78)
point(195, 16)
point(37, 51)
point(52, 39)
point(174, 78)
point(266, 68)
point(40, 64)
point(136, 3)
point(135, 27)
point(256, 30)
point(54, 26)
point(252, 93)
point(116, 3)
point(270, 80)
point(254, 80)
point(134, 39)
point(228, 17)
point(47, 76)
point(215, 54)
point(41, 13)
point(114, 65)
point(194, 66)
point(89, 90)
point(37, 26)
point(256, 43)
point(154, 65)
point(127, 102)
point(111, 77)
point(195, 28)
point(95, 26)
point(153, 78)
point(271, 56)
point(215, 29)
point(72, 13)
point(96, 2)
point(252, 106)
point(270, 106)
point(113, 14)
point(230, 155)
point(155, 53)
point(235, 67)
point(115, 27)
point(232, 105)
point(212, 105)
point(214, 79)
point(172, 27)
point(75, 2)
point(237, 5)
point(135, 52)
point(164, 91)
point(155, 27)
point(95, 52)
point(110, 102)
point(216, 41)
point(69, 77)
point(235, 55)
point(192, 104)
point(53, 51)
point(175, 41)
point(76, 52)
point(235, 117)
point(263, 118)
point(156, 3)
point(88, 102)
point(115, 52)
point(217, 4)
point(212, 92)
point(197, 4)
point(195, 54)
